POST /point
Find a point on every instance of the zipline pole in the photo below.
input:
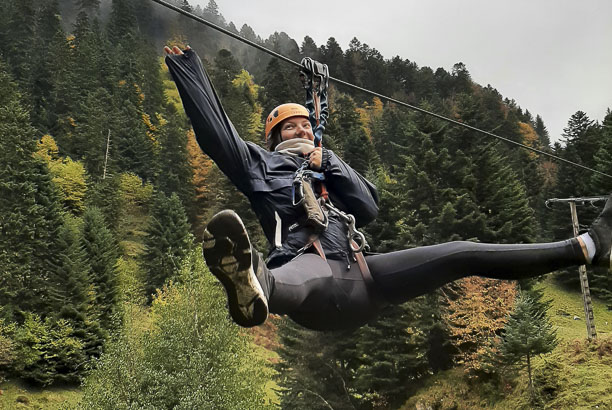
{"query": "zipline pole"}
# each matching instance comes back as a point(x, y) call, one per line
point(584, 280)
point(584, 284)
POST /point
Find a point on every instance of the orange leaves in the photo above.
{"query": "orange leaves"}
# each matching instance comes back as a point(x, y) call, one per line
point(370, 114)
point(478, 315)
point(529, 138)
point(201, 166)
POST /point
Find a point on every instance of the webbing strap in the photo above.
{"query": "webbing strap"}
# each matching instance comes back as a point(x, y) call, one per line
point(363, 267)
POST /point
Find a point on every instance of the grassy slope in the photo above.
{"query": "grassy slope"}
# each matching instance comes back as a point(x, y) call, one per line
point(577, 374)
point(20, 396)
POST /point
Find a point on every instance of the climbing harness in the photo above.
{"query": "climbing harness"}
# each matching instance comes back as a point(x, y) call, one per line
point(315, 78)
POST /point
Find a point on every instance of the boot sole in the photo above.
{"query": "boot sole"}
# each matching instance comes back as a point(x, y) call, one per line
point(227, 251)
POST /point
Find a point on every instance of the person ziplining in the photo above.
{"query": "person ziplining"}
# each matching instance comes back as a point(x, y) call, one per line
point(309, 203)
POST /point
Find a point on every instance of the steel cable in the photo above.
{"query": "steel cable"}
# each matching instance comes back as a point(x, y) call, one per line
point(373, 93)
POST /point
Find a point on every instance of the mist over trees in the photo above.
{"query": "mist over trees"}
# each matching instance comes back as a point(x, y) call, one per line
point(104, 193)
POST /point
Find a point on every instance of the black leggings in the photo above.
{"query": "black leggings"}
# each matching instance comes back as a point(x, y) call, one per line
point(326, 295)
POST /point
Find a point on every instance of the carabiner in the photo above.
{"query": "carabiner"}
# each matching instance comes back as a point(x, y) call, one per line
point(361, 243)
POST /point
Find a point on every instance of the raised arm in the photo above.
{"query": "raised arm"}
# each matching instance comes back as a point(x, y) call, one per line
point(214, 131)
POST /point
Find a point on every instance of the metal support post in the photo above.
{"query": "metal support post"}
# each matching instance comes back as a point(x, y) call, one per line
point(584, 281)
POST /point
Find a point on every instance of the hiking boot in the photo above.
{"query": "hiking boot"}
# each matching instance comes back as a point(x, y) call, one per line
point(601, 233)
point(227, 251)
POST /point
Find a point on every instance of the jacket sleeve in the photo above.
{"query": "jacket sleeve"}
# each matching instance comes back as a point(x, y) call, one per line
point(213, 129)
point(357, 194)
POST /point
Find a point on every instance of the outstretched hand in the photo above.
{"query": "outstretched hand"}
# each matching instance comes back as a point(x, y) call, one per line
point(175, 50)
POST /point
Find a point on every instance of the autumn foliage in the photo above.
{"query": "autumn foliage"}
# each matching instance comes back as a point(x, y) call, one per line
point(477, 316)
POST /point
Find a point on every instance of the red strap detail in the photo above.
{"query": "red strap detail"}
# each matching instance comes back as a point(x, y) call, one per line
point(317, 245)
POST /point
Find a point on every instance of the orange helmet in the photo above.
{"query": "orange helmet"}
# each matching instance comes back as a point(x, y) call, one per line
point(282, 112)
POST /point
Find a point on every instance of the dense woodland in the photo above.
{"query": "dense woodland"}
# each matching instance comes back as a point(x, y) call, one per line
point(104, 192)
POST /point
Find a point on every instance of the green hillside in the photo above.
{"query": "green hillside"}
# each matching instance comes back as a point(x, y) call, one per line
point(576, 375)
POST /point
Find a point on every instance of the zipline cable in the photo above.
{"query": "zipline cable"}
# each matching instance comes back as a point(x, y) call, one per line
point(373, 93)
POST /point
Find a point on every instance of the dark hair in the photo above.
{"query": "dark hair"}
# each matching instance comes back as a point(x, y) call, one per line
point(275, 138)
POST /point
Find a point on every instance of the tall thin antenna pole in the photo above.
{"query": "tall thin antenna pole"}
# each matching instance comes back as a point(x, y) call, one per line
point(106, 156)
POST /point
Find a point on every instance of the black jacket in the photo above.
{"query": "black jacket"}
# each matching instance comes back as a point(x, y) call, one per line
point(266, 177)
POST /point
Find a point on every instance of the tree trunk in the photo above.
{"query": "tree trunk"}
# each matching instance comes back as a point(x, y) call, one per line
point(529, 372)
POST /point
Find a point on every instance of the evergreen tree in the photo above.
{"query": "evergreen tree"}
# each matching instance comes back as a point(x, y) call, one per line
point(104, 195)
point(603, 158)
point(309, 48)
point(89, 6)
point(315, 381)
point(280, 85)
point(393, 354)
point(101, 252)
point(30, 211)
point(581, 145)
point(542, 132)
point(18, 40)
point(510, 218)
point(134, 149)
point(175, 172)
point(96, 119)
point(50, 54)
point(71, 299)
point(168, 241)
point(333, 56)
point(225, 69)
point(122, 21)
point(528, 333)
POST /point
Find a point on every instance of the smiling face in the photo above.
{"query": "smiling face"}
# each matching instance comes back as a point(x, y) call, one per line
point(296, 127)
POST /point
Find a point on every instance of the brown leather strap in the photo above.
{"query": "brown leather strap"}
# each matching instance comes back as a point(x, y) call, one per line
point(363, 266)
point(365, 270)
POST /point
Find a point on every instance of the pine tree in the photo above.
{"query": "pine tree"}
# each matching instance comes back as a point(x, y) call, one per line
point(280, 85)
point(18, 41)
point(392, 354)
point(542, 132)
point(168, 241)
point(89, 6)
point(30, 211)
point(225, 69)
point(122, 21)
point(309, 48)
point(101, 252)
point(133, 148)
point(333, 56)
point(96, 119)
point(581, 145)
point(528, 333)
point(315, 381)
point(71, 297)
point(175, 171)
point(50, 48)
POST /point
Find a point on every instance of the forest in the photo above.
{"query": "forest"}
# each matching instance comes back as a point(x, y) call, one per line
point(104, 195)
